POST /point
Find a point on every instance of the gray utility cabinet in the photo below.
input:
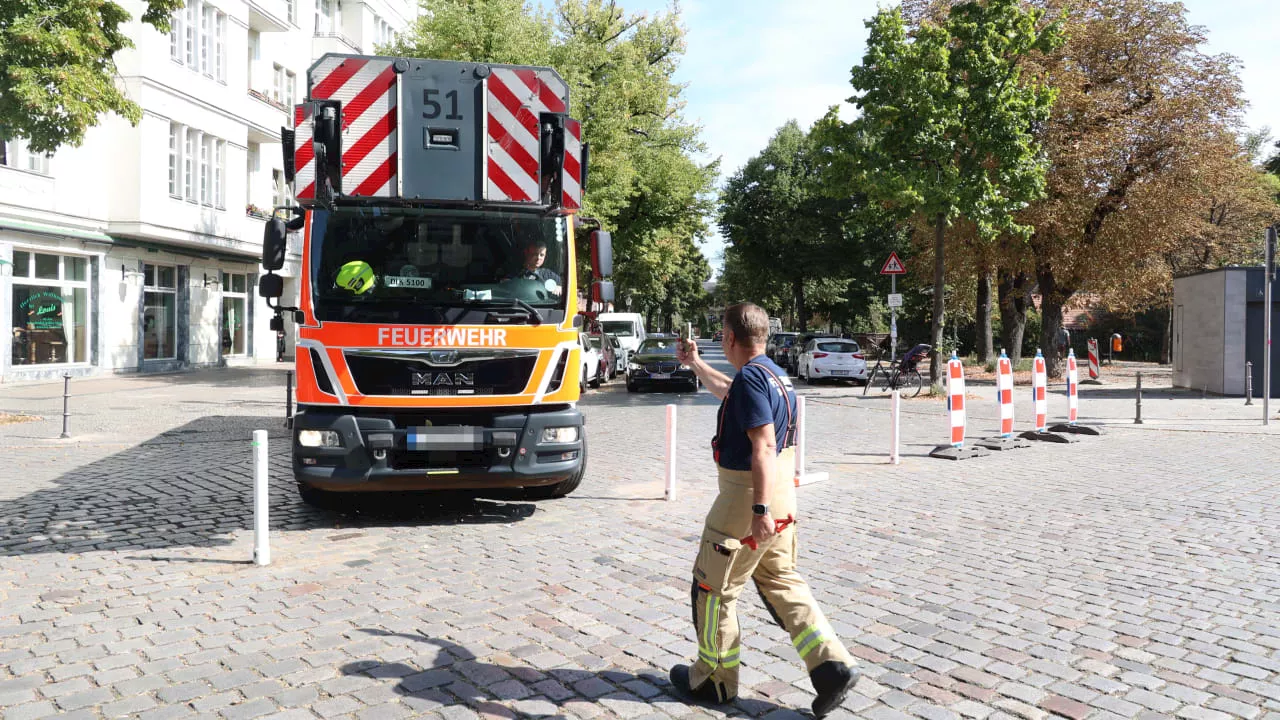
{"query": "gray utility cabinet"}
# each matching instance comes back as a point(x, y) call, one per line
point(1218, 327)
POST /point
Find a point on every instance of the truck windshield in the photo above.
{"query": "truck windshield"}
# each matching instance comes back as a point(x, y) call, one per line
point(415, 265)
point(621, 328)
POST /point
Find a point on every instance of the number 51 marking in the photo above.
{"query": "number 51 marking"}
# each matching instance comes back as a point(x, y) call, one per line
point(433, 108)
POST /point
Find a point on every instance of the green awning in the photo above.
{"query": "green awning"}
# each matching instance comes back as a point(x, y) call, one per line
point(53, 230)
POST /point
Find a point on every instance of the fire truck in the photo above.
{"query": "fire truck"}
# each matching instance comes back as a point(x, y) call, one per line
point(437, 317)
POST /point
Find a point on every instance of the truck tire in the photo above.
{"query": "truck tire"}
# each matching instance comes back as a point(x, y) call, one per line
point(560, 489)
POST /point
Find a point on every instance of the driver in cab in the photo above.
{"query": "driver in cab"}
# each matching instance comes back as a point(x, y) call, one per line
point(535, 254)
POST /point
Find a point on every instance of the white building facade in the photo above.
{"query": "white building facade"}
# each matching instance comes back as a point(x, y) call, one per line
point(139, 250)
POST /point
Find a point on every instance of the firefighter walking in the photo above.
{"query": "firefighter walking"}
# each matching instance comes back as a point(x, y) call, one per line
point(754, 453)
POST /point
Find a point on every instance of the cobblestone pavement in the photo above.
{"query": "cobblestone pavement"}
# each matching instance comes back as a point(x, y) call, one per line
point(1134, 575)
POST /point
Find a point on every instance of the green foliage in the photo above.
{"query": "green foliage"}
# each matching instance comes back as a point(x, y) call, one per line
point(644, 185)
point(946, 124)
point(57, 67)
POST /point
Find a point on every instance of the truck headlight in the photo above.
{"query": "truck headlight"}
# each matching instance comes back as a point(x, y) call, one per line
point(319, 438)
point(560, 434)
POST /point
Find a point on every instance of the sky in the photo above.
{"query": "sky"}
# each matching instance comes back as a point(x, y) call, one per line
point(751, 65)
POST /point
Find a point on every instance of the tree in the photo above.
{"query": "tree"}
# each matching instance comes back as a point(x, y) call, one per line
point(946, 121)
point(57, 67)
point(1139, 128)
point(781, 225)
point(644, 185)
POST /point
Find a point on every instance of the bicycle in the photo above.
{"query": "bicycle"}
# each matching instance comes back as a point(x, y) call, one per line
point(903, 375)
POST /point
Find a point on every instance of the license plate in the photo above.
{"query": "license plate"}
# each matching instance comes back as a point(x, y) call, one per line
point(660, 376)
point(839, 372)
point(445, 438)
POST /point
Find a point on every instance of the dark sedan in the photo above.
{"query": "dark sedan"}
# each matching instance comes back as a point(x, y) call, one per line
point(654, 365)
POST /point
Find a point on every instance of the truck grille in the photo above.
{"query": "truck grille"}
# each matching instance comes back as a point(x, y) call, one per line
point(441, 372)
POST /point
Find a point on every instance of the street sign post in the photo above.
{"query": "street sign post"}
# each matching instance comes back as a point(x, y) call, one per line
point(893, 267)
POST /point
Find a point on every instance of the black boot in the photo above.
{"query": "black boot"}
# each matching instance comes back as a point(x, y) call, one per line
point(832, 680)
point(704, 693)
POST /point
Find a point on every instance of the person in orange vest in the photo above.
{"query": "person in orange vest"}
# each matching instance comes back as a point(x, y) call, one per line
point(753, 448)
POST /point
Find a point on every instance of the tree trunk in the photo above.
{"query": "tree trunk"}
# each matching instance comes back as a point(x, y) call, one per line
point(1166, 347)
point(939, 289)
point(797, 289)
point(1052, 299)
point(986, 352)
point(1012, 291)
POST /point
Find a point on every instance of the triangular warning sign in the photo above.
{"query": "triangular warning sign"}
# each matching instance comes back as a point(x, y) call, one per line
point(893, 266)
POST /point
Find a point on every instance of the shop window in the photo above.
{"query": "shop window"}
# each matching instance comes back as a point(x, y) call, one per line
point(234, 320)
point(50, 323)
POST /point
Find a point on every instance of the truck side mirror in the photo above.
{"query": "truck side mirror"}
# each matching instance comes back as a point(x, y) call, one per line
point(585, 161)
point(271, 286)
point(274, 244)
point(602, 291)
point(601, 253)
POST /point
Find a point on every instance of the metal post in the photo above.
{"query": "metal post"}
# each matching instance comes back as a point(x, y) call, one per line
point(1248, 383)
point(261, 548)
point(893, 321)
point(670, 443)
point(1267, 311)
point(288, 399)
point(800, 444)
point(1137, 420)
point(66, 393)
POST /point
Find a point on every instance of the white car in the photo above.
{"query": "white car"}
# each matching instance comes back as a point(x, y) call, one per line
point(590, 363)
point(831, 359)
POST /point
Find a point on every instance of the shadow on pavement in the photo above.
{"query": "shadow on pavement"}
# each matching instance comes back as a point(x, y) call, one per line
point(452, 679)
point(192, 487)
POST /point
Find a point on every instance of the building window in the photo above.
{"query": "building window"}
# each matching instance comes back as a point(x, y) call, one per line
point(278, 196)
point(234, 300)
point(160, 312)
point(188, 165)
point(16, 154)
point(206, 171)
point(220, 48)
point(293, 11)
point(50, 308)
point(290, 82)
point(198, 39)
point(324, 17)
point(175, 160)
point(219, 174)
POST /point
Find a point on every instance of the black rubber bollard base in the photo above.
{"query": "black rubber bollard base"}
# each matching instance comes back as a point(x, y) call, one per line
point(1003, 443)
point(947, 452)
point(1076, 429)
point(1049, 437)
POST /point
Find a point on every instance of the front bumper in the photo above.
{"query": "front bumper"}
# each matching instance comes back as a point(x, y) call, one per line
point(643, 378)
point(386, 451)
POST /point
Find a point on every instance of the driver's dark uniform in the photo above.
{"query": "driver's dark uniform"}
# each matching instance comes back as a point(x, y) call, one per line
point(542, 274)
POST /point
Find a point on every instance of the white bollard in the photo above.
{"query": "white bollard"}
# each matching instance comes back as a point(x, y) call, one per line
point(671, 453)
point(802, 477)
point(895, 411)
point(261, 548)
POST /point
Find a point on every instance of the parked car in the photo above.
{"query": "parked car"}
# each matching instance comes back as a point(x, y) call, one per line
point(590, 363)
point(654, 365)
point(620, 355)
point(832, 359)
point(791, 354)
point(718, 336)
point(778, 342)
point(608, 356)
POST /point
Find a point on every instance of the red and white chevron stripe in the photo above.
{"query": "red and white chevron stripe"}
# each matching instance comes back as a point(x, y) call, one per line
point(515, 99)
point(303, 151)
point(572, 190)
point(1073, 388)
point(368, 93)
point(955, 400)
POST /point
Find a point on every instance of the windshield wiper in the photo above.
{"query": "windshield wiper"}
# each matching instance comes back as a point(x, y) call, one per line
point(524, 309)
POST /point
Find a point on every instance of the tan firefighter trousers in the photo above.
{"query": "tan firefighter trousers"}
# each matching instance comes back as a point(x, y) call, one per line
point(721, 572)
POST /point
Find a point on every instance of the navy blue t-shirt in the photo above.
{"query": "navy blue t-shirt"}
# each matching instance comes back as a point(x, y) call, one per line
point(754, 399)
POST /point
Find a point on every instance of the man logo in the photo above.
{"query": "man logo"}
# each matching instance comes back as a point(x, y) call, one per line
point(443, 357)
point(446, 379)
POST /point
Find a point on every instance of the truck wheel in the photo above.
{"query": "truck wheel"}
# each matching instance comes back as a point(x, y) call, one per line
point(316, 497)
point(560, 489)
